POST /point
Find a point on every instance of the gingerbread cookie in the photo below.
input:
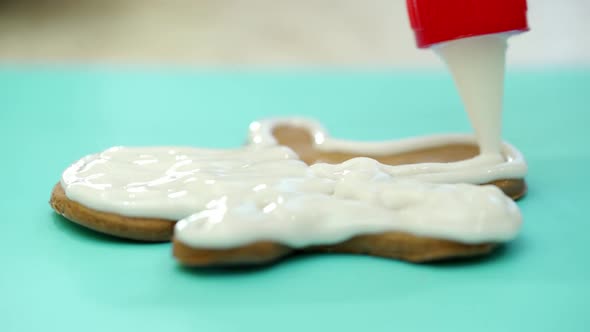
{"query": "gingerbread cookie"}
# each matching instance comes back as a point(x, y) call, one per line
point(258, 203)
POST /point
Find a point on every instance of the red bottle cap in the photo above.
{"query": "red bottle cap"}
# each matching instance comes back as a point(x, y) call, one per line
point(436, 21)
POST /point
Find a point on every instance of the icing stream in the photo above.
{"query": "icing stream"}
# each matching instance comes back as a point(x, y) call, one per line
point(477, 65)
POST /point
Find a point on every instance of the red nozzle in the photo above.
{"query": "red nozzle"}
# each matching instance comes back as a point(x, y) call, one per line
point(436, 21)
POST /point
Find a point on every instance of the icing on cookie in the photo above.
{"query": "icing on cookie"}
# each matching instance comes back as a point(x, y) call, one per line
point(171, 182)
point(233, 197)
point(484, 168)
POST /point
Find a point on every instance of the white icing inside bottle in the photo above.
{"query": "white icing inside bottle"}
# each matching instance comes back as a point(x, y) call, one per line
point(477, 65)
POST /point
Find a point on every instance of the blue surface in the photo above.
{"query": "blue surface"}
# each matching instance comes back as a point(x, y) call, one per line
point(58, 276)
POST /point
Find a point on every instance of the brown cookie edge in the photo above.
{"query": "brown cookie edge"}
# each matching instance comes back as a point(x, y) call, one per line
point(257, 253)
point(141, 229)
point(396, 245)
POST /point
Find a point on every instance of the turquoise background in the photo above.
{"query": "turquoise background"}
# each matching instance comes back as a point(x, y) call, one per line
point(56, 276)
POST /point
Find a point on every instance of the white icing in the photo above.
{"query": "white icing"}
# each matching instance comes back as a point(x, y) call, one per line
point(233, 197)
point(509, 164)
point(171, 182)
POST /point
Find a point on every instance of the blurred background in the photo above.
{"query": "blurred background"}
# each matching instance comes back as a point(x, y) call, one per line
point(368, 33)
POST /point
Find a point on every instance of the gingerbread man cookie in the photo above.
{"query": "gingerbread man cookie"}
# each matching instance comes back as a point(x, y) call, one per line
point(259, 203)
